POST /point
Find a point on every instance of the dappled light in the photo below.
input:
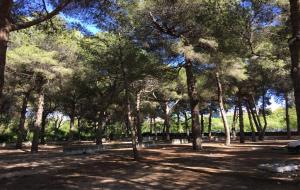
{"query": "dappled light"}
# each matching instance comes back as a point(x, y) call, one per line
point(170, 167)
point(150, 94)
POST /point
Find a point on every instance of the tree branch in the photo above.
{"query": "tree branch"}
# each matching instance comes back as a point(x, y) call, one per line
point(42, 18)
point(163, 29)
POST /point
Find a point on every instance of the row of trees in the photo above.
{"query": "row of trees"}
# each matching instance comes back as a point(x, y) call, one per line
point(156, 57)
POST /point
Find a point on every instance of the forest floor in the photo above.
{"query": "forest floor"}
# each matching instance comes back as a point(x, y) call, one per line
point(162, 167)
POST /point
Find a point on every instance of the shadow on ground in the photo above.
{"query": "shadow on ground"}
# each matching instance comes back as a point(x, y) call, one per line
point(162, 167)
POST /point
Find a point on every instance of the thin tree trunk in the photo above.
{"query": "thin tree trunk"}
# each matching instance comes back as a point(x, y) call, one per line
point(178, 120)
point(38, 121)
point(234, 120)
point(100, 128)
point(21, 129)
point(154, 127)
point(151, 125)
point(71, 130)
point(167, 120)
point(264, 114)
point(138, 118)
point(256, 115)
point(202, 123)
point(59, 121)
point(99, 133)
point(222, 110)
point(209, 124)
point(129, 124)
point(79, 127)
point(43, 128)
point(241, 122)
point(253, 136)
point(186, 123)
point(191, 82)
point(256, 122)
point(5, 28)
point(131, 127)
point(287, 116)
point(294, 45)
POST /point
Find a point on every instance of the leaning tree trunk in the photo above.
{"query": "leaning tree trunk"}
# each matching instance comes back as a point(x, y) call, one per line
point(138, 118)
point(43, 127)
point(241, 122)
point(256, 121)
point(287, 116)
point(5, 28)
point(222, 110)
point(191, 84)
point(21, 129)
point(253, 136)
point(294, 44)
point(38, 121)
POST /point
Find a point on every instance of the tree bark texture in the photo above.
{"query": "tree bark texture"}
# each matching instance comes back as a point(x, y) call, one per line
point(21, 128)
point(191, 82)
point(38, 121)
point(294, 45)
point(222, 110)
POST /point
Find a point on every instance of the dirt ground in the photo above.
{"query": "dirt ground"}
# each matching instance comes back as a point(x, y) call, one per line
point(162, 167)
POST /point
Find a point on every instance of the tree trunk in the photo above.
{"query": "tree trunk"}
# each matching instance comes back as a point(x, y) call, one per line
point(191, 82)
point(38, 121)
point(151, 125)
point(241, 122)
point(129, 124)
point(256, 121)
point(21, 129)
point(186, 123)
point(294, 45)
point(72, 122)
point(71, 131)
point(99, 133)
point(222, 110)
point(132, 129)
point(209, 124)
point(287, 116)
point(100, 128)
point(43, 128)
point(138, 118)
point(178, 120)
point(5, 28)
point(264, 115)
point(79, 127)
point(234, 123)
point(167, 120)
point(154, 127)
point(251, 125)
point(202, 123)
